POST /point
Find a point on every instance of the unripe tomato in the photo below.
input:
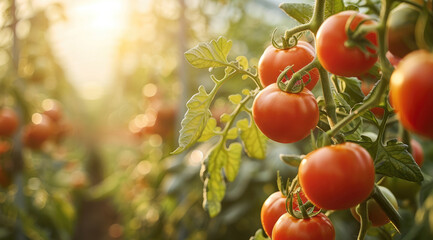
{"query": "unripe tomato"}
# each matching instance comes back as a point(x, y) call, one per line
point(334, 55)
point(318, 227)
point(285, 117)
point(411, 88)
point(8, 122)
point(36, 134)
point(338, 176)
point(274, 61)
point(375, 213)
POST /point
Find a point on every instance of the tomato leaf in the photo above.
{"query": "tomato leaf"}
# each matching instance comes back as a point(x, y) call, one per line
point(352, 87)
point(292, 160)
point(395, 161)
point(259, 236)
point(301, 12)
point(210, 130)
point(333, 7)
point(214, 185)
point(212, 54)
point(253, 139)
point(195, 119)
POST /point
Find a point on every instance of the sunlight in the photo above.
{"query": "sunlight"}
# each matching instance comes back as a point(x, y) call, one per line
point(86, 43)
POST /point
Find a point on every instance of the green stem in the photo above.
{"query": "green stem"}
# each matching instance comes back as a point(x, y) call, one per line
point(387, 207)
point(327, 95)
point(253, 77)
point(362, 211)
point(297, 76)
point(404, 136)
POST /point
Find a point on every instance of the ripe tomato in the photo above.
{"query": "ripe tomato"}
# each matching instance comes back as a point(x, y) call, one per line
point(411, 88)
point(318, 227)
point(338, 176)
point(52, 109)
point(334, 55)
point(274, 61)
point(274, 207)
point(285, 117)
point(8, 122)
point(401, 30)
point(36, 134)
point(375, 213)
point(417, 152)
point(366, 88)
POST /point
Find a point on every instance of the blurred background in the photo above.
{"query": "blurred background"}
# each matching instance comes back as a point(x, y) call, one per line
point(111, 77)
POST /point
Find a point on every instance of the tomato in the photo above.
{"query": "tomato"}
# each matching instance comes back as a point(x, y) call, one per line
point(318, 227)
point(274, 61)
point(36, 134)
point(5, 179)
point(285, 117)
point(411, 88)
point(417, 152)
point(338, 176)
point(52, 109)
point(366, 88)
point(8, 122)
point(4, 147)
point(274, 207)
point(375, 213)
point(334, 55)
point(401, 30)
point(394, 60)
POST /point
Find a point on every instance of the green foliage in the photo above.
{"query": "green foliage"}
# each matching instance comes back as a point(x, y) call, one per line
point(212, 54)
point(259, 235)
point(253, 139)
point(301, 12)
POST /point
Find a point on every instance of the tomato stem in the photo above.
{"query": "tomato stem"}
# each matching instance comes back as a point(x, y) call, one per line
point(362, 211)
point(327, 95)
point(387, 207)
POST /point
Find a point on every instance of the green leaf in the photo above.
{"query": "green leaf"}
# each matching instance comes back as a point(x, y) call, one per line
point(253, 139)
point(235, 99)
point(333, 7)
point(394, 160)
point(195, 120)
point(232, 133)
point(292, 160)
point(243, 62)
point(352, 87)
point(212, 54)
point(301, 12)
point(259, 235)
point(214, 185)
point(209, 131)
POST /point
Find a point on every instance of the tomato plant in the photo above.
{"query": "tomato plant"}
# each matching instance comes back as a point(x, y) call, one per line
point(411, 86)
point(8, 122)
point(37, 133)
point(375, 213)
point(349, 172)
point(285, 117)
point(333, 50)
point(317, 227)
point(273, 61)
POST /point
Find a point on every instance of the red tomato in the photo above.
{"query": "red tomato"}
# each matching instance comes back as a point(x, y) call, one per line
point(36, 134)
point(8, 122)
point(334, 55)
point(394, 60)
point(417, 152)
point(5, 179)
point(52, 109)
point(318, 227)
point(285, 117)
point(366, 88)
point(375, 213)
point(274, 207)
point(338, 176)
point(411, 88)
point(274, 61)
point(4, 147)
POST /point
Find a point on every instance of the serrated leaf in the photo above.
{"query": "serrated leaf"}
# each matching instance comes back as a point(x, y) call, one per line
point(243, 62)
point(214, 185)
point(235, 99)
point(259, 235)
point(233, 162)
point(253, 139)
point(195, 119)
point(246, 92)
point(232, 133)
point(395, 161)
point(212, 54)
point(333, 7)
point(301, 12)
point(225, 118)
point(209, 130)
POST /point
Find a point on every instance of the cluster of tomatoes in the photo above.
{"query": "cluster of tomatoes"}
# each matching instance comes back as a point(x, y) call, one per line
point(45, 126)
point(340, 176)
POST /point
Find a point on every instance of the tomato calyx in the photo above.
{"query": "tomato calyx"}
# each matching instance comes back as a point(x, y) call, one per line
point(287, 42)
point(295, 84)
point(356, 37)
